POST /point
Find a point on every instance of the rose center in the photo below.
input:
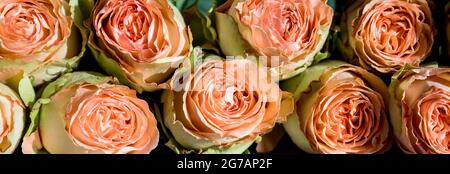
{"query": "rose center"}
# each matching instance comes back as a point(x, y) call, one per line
point(134, 23)
point(24, 23)
point(349, 118)
point(232, 98)
point(395, 32)
point(113, 122)
point(440, 122)
point(291, 22)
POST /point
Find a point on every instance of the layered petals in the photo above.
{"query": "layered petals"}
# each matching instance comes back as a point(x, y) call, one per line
point(420, 110)
point(384, 36)
point(340, 109)
point(222, 104)
point(86, 113)
point(288, 33)
point(145, 39)
point(39, 38)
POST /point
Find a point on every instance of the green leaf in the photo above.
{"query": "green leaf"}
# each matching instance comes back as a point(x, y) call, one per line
point(196, 27)
point(200, 19)
point(34, 115)
point(26, 91)
point(321, 56)
point(22, 84)
point(205, 9)
point(332, 4)
point(183, 4)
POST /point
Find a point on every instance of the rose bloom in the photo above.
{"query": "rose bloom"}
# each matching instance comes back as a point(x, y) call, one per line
point(385, 35)
point(292, 31)
point(340, 108)
point(39, 38)
point(12, 119)
point(89, 115)
point(141, 42)
point(223, 105)
point(420, 110)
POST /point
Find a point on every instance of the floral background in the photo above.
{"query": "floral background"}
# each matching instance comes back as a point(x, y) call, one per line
point(205, 29)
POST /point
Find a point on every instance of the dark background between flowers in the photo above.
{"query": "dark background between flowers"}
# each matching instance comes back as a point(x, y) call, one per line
point(198, 12)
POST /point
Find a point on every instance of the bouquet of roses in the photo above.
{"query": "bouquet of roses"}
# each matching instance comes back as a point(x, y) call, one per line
point(224, 76)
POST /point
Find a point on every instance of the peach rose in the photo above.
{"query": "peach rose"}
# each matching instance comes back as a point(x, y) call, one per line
point(141, 42)
point(420, 105)
point(341, 108)
point(39, 38)
point(289, 32)
point(223, 106)
point(12, 119)
point(385, 35)
point(90, 115)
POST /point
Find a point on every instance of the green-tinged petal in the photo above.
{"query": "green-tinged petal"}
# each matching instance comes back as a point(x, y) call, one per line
point(292, 128)
point(80, 11)
point(395, 99)
point(301, 82)
point(52, 124)
point(73, 78)
point(112, 67)
point(160, 67)
point(230, 40)
point(234, 149)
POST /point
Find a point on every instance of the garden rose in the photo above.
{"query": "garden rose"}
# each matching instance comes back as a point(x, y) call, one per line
point(86, 113)
point(340, 108)
point(290, 33)
point(223, 106)
point(12, 119)
point(40, 38)
point(141, 42)
point(385, 35)
point(419, 107)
